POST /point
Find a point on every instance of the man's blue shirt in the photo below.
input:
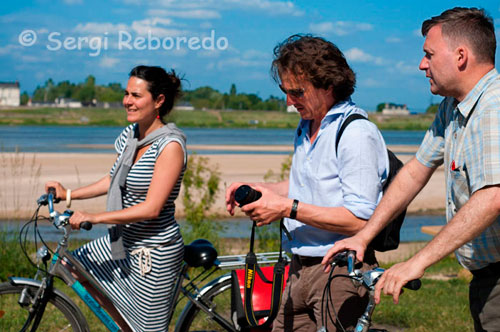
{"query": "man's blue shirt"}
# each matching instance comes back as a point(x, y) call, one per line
point(353, 179)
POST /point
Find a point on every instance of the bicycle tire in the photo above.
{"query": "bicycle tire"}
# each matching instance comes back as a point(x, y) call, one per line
point(218, 294)
point(61, 314)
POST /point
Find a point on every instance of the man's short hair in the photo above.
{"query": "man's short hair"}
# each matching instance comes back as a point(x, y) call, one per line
point(471, 25)
point(316, 60)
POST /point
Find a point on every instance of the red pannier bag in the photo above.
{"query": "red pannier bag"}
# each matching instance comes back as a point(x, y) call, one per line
point(262, 295)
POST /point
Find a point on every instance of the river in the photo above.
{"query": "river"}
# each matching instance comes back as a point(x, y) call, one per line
point(232, 228)
point(84, 139)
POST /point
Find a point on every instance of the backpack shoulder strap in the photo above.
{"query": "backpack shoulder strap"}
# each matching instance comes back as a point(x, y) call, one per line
point(350, 118)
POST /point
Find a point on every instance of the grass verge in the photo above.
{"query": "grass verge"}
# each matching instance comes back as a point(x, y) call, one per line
point(197, 118)
point(439, 305)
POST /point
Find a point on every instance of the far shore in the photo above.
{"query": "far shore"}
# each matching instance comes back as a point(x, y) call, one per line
point(22, 177)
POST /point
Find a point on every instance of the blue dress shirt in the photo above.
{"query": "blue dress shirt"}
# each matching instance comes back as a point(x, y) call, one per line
point(353, 179)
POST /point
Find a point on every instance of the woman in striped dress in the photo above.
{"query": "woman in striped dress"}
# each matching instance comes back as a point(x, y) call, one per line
point(138, 261)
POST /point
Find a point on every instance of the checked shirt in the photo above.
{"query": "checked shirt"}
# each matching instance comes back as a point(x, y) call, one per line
point(465, 138)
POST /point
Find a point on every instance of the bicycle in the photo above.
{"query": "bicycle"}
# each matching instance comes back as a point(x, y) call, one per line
point(368, 280)
point(35, 304)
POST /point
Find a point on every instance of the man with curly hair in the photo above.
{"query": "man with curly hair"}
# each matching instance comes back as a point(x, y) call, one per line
point(330, 194)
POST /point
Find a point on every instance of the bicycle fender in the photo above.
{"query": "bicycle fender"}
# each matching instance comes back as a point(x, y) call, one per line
point(20, 281)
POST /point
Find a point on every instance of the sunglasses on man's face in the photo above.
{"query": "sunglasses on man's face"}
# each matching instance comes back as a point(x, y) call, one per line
point(296, 93)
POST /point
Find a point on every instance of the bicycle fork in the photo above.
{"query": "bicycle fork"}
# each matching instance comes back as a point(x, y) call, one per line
point(364, 321)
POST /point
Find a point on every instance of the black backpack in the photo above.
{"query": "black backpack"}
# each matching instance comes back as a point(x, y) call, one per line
point(388, 238)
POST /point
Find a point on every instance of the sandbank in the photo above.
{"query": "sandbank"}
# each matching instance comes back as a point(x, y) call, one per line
point(22, 176)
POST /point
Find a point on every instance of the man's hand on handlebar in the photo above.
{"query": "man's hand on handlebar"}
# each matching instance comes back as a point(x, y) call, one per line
point(393, 279)
point(351, 243)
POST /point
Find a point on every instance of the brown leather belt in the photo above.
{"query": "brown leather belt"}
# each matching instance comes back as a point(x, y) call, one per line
point(309, 260)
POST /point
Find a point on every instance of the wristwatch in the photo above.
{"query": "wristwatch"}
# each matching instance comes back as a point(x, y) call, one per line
point(293, 212)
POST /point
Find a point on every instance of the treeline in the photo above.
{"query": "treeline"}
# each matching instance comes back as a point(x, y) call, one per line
point(201, 98)
point(209, 98)
point(87, 92)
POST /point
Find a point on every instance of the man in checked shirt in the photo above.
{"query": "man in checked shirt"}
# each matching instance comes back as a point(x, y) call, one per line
point(459, 60)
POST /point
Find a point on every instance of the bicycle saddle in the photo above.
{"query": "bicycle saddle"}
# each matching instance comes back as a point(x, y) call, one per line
point(200, 253)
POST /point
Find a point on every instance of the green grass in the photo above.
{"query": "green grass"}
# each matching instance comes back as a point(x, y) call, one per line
point(437, 306)
point(197, 118)
point(440, 305)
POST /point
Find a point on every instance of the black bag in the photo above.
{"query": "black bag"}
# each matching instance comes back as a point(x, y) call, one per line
point(388, 238)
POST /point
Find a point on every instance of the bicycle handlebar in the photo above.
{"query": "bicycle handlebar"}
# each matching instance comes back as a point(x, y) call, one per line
point(59, 219)
point(369, 278)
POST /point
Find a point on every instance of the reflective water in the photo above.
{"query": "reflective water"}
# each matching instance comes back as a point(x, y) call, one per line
point(78, 139)
point(233, 228)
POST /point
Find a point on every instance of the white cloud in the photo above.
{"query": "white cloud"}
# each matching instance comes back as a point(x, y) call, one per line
point(371, 83)
point(357, 55)
point(204, 14)
point(255, 54)
point(208, 53)
point(107, 62)
point(393, 40)
point(99, 28)
point(240, 63)
point(339, 28)
point(405, 68)
point(270, 7)
point(73, 2)
point(7, 49)
point(213, 6)
point(155, 31)
point(206, 25)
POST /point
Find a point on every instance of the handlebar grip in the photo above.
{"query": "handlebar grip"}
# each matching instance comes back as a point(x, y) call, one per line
point(413, 284)
point(86, 225)
point(351, 259)
point(246, 194)
point(52, 191)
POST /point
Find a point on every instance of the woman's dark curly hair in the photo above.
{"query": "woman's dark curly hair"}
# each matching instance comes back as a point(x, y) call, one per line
point(316, 60)
point(160, 82)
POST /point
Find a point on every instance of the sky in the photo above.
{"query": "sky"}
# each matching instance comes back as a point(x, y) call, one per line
point(220, 42)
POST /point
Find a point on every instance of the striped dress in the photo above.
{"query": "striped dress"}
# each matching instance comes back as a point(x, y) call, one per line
point(143, 299)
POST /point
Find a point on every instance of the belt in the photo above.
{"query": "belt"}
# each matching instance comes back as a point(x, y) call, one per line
point(489, 270)
point(309, 260)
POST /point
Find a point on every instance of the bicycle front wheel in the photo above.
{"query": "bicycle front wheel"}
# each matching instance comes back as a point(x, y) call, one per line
point(60, 314)
point(217, 297)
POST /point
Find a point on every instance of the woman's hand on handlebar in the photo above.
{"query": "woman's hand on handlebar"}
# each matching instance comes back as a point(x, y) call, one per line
point(79, 217)
point(60, 190)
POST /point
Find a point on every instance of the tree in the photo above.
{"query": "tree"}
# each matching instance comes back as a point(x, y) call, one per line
point(432, 109)
point(232, 91)
point(24, 98)
point(380, 107)
point(201, 184)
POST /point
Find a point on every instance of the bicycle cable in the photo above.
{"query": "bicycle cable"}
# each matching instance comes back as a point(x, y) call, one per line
point(329, 300)
point(23, 238)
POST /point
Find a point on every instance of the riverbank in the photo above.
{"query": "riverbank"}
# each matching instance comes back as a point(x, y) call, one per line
point(90, 116)
point(22, 176)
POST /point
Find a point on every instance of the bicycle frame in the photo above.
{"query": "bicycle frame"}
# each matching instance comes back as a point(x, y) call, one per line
point(57, 268)
point(62, 259)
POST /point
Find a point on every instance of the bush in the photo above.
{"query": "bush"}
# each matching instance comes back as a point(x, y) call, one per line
point(201, 184)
